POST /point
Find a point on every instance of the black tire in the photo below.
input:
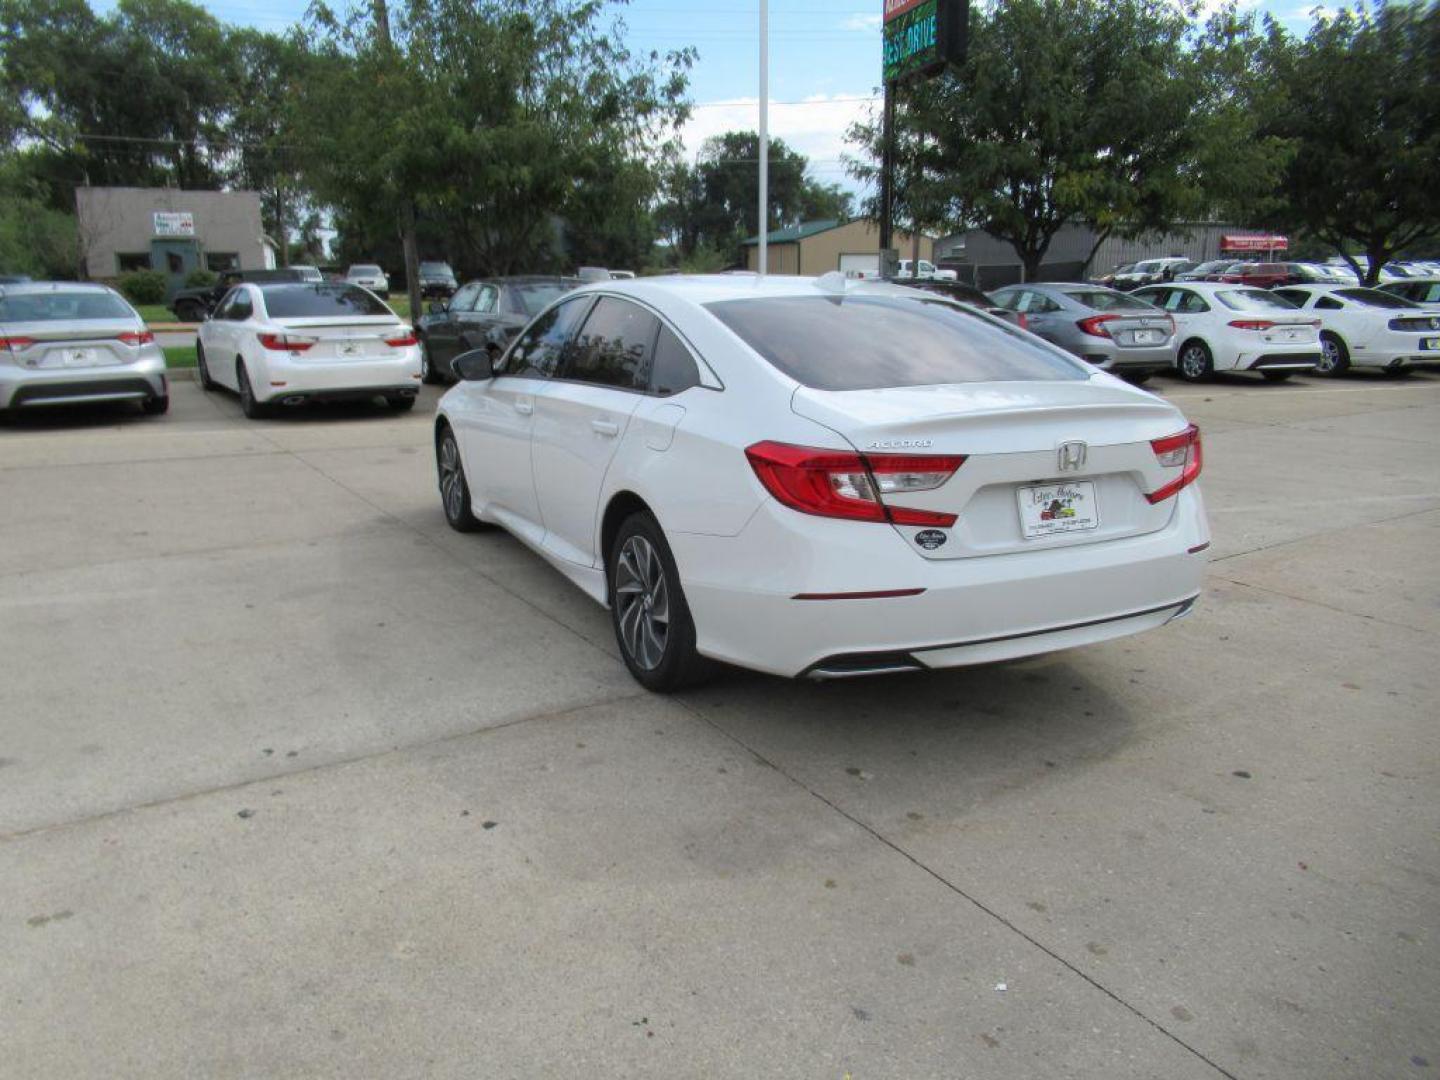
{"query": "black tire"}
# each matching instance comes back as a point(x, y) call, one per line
point(1334, 356)
point(454, 488)
point(253, 410)
point(642, 579)
point(428, 374)
point(189, 311)
point(399, 402)
point(156, 406)
point(1194, 363)
point(202, 372)
point(1276, 376)
point(1135, 378)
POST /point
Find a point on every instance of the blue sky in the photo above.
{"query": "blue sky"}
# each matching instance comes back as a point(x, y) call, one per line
point(824, 60)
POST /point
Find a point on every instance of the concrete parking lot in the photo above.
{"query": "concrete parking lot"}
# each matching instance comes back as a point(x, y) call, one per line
point(294, 781)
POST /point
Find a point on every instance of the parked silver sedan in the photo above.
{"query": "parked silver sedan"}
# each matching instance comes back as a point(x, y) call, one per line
point(63, 343)
point(1112, 330)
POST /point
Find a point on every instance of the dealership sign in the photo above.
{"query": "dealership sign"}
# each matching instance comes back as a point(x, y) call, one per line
point(174, 223)
point(922, 36)
point(1253, 242)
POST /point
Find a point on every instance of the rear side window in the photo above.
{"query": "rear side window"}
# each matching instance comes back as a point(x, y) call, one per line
point(1106, 300)
point(614, 348)
point(63, 306)
point(1252, 300)
point(537, 352)
point(320, 301)
point(674, 369)
point(869, 342)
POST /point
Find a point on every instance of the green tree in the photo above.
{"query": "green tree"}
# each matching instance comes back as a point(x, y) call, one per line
point(35, 238)
point(1359, 100)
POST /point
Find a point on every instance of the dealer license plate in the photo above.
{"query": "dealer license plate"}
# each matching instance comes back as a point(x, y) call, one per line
point(69, 357)
point(1148, 337)
point(1047, 509)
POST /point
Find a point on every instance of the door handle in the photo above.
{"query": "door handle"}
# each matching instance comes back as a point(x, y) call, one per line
point(524, 408)
point(608, 428)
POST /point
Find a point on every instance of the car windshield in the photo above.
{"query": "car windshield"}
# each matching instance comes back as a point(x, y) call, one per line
point(63, 305)
point(436, 268)
point(531, 298)
point(320, 301)
point(870, 342)
point(1375, 298)
point(365, 271)
point(1252, 300)
point(1105, 300)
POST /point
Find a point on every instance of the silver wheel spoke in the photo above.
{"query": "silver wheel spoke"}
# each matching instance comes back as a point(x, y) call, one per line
point(642, 602)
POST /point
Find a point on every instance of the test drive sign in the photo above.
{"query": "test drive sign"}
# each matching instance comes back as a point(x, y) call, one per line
point(174, 223)
point(922, 36)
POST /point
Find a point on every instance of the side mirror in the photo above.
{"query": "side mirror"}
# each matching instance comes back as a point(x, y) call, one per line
point(474, 366)
point(439, 307)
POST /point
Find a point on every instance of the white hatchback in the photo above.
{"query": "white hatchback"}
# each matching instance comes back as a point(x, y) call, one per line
point(289, 343)
point(824, 478)
point(1367, 327)
point(1225, 327)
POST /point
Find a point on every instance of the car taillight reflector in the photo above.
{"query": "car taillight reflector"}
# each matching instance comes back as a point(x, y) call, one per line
point(16, 343)
point(401, 341)
point(1022, 321)
point(286, 342)
point(1095, 325)
point(1252, 324)
point(840, 484)
point(1181, 451)
point(137, 337)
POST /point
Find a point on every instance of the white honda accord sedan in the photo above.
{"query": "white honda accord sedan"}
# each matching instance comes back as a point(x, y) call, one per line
point(824, 478)
point(286, 343)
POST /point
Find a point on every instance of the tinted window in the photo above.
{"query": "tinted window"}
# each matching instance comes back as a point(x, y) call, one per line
point(435, 268)
point(366, 270)
point(1294, 296)
point(464, 300)
point(1374, 298)
point(319, 301)
point(868, 342)
point(528, 299)
point(241, 306)
point(1252, 300)
point(63, 305)
point(538, 351)
point(674, 367)
point(1105, 300)
point(1329, 303)
point(614, 347)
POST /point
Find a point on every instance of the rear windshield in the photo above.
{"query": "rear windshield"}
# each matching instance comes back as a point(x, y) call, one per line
point(1252, 300)
point(869, 342)
point(320, 301)
point(1375, 298)
point(309, 273)
point(531, 298)
point(63, 306)
point(1105, 300)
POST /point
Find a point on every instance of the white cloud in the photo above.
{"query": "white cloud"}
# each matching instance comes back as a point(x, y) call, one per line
point(814, 127)
point(869, 23)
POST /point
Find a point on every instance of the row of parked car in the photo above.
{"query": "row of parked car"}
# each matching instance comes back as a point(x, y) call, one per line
point(1262, 275)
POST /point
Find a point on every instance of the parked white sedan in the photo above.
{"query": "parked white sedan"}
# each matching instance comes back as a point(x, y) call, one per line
point(1224, 327)
point(1367, 327)
point(289, 343)
point(824, 478)
point(369, 276)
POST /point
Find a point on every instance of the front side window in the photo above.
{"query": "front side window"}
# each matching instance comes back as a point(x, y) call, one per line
point(869, 342)
point(614, 346)
point(300, 301)
point(486, 303)
point(241, 306)
point(464, 300)
point(537, 353)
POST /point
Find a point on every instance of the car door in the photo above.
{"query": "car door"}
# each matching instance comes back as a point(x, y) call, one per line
point(581, 418)
point(474, 323)
point(222, 343)
point(494, 420)
point(442, 337)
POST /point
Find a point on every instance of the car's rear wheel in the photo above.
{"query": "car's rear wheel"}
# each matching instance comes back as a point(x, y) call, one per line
point(253, 410)
point(428, 374)
point(648, 610)
point(454, 491)
point(156, 406)
point(1194, 363)
point(1276, 376)
point(1136, 377)
point(1334, 356)
point(202, 373)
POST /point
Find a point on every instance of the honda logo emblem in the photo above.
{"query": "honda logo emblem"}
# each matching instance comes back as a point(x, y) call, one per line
point(1071, 457)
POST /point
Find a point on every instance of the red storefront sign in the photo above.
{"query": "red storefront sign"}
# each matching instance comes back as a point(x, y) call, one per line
point(1253, 242)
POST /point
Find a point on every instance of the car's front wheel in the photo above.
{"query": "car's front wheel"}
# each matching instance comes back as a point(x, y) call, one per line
point(454, 491)
point(648, 610)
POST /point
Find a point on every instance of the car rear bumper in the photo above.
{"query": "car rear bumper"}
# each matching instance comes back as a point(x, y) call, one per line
point(1283, 362)
point(24, 387)
point(285, 378)
point(969, 611)
point(1107, 356)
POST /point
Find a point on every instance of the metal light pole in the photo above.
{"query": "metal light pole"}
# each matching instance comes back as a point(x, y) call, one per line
point(764, 133)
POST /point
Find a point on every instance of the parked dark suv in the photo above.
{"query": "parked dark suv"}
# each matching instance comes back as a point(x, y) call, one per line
point(192, 305)
point(437, 279)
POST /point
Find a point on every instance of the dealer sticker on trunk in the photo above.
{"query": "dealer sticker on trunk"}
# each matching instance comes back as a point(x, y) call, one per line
point(1047, 509)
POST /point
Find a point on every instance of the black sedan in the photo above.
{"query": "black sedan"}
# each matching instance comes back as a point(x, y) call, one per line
point(481, 314)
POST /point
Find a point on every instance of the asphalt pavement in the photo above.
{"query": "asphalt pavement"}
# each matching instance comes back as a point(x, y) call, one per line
point(295, 781)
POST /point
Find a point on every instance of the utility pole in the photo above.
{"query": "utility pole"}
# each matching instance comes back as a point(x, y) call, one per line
point(887, 178)
point(764, 136)
point(407, 203)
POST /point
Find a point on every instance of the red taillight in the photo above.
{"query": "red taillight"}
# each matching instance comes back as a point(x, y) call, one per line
point(840, 484)
point(1022, 321)
point(16, 343)
point(1252, 324)
point(136, 337)
point(402, 342)
point(1180, 451)
point(1095, 325)
point(286, 342)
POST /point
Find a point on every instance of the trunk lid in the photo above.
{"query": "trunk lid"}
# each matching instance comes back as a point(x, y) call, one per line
point(338, 340)
point(76, 344)
point(1012, 436)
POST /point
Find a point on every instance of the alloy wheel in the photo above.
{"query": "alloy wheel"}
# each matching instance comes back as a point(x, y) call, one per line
point(1329, 356)
point(452, 478)
point(642, 598)
point(1192, 362)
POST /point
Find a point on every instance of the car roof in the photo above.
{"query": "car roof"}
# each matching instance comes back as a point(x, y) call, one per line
point(30, 288)
point(702, 289)
point(1205, 286)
